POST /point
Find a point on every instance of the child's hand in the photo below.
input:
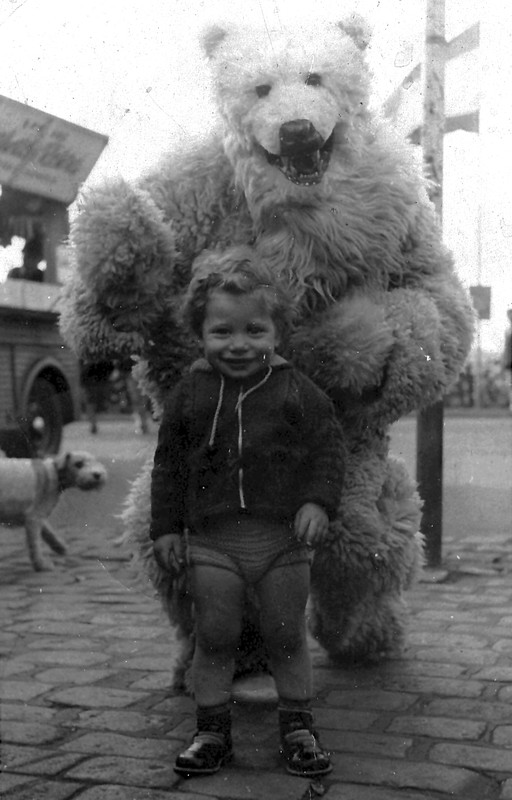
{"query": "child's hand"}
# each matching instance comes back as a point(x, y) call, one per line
point(169, 552)
point(311, 524)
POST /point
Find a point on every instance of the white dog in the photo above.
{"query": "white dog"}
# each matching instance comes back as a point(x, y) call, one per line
point(30, 490)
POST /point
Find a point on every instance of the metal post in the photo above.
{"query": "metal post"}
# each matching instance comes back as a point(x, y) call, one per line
point(429, 427)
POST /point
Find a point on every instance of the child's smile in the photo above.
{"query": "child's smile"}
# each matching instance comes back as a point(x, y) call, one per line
point(239, 335)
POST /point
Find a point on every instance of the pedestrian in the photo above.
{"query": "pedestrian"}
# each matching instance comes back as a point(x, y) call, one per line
point(94, 379)
point(138, 401)
point(249, 461)
point(507, 358)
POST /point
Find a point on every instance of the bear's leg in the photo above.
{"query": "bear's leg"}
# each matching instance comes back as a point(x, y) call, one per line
point(357, 610)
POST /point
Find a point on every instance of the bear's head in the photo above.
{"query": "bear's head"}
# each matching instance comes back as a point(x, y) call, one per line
point(292, 102)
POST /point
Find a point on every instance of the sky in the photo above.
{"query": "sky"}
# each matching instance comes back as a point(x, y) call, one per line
point(133, 70)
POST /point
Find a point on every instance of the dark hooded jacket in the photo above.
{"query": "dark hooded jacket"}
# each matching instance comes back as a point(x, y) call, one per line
point(263, 446)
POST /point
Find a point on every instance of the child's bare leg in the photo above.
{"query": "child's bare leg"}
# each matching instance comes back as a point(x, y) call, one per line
point(218, 600)
point(283, 593)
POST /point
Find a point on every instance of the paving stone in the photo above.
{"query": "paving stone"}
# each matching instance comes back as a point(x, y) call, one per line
point(472, 756)
point(457, 655)
point(29, 732)
point(133, 647)
point(502, 736)
point(120, 721)
point(46, 790)
point(71, 629)
point(119, 745)
point(420, 668)
point(438, 727)
point(500, 672)
point(52, 763)
point(15, 666)
point(439, 686)
point(505, 695)
point(9, 780)
point(126, 793)
point(383, 701)
point(23, 712)
point(22, 690)
point(63, 675)
point(444, 639)
point(95, 697)
point(155, 681)
point(130, 632)
point(351, 791)
point(344, 719)
point(230, 783)
point(503, 646)
point(15, 756)
point(58, 643)
point(71, 658)
point(355, 742)
point(469, 709)
point(135, 772)
point(150, 663)
point(404, 774)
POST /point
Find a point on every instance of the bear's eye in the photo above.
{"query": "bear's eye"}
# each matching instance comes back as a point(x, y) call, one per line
point(263, 89)
point(314, 79)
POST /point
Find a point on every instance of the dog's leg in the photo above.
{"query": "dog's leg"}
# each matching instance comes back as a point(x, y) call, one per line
point(51, 539)
point(33, 529)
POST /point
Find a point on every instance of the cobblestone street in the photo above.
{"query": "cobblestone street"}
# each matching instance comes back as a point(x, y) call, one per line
point(87, 654)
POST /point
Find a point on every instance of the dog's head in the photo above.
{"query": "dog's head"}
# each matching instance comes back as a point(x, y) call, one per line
point(80, 469)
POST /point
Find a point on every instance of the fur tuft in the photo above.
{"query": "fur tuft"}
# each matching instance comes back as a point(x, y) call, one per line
point(358, 29)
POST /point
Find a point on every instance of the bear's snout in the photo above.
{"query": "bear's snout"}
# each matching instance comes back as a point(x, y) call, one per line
point(299, 136)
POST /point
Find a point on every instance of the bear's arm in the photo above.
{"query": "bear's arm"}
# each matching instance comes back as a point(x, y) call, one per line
point(132, 248)
point(382, 355)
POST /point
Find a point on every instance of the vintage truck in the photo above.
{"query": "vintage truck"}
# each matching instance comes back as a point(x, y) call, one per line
point(39, 375)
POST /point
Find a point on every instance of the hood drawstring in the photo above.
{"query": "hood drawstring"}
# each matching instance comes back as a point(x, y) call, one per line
point(238, 409)
point(217, 412)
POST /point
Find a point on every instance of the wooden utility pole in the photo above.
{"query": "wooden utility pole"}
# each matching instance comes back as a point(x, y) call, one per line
point(429, 428)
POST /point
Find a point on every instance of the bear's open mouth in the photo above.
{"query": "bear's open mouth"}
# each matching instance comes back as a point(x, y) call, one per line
point(306, 168)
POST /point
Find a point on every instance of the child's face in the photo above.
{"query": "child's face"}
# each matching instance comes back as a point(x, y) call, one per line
point(239, 336)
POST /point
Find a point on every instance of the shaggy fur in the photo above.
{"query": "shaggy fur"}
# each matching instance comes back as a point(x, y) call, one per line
point(331, 197)
point(30, 489)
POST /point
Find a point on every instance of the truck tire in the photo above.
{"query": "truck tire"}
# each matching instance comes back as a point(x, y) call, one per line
point(44, 418)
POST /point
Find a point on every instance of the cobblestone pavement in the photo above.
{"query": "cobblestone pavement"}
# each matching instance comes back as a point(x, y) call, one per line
point(86, 656)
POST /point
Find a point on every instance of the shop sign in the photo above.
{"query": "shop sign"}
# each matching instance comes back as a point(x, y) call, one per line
point(43, 154)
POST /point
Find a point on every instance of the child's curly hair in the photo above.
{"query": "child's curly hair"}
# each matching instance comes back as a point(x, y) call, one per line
point(237, 270)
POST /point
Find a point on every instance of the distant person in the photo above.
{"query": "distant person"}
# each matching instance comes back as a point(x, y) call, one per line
point(94, 379)
point(33, 254)
point(250, 461)
point(138, 401)
point(507, 358)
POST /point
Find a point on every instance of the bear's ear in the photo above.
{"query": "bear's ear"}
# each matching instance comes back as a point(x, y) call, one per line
point(358, 29)
point(211, 39)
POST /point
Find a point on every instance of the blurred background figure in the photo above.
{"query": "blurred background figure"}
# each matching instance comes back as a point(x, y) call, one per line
point(137, 401)
point(94, 380)
point(507, 356)
point(33, 255)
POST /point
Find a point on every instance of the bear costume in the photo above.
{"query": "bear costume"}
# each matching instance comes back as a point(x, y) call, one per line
point(302, 169)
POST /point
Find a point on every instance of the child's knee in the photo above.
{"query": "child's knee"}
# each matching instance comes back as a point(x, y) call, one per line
point(285, 639)
point(217, 636)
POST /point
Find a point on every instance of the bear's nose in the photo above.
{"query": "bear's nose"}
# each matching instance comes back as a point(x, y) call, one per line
point(299, 136)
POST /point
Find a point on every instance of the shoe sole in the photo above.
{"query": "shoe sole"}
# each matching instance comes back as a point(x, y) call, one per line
point(312, 773)
point(190, 773)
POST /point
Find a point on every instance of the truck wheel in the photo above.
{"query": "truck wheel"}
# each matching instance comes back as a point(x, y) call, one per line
point(44, 418)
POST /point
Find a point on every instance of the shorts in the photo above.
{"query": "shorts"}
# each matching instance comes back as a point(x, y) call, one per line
point(248, 546)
